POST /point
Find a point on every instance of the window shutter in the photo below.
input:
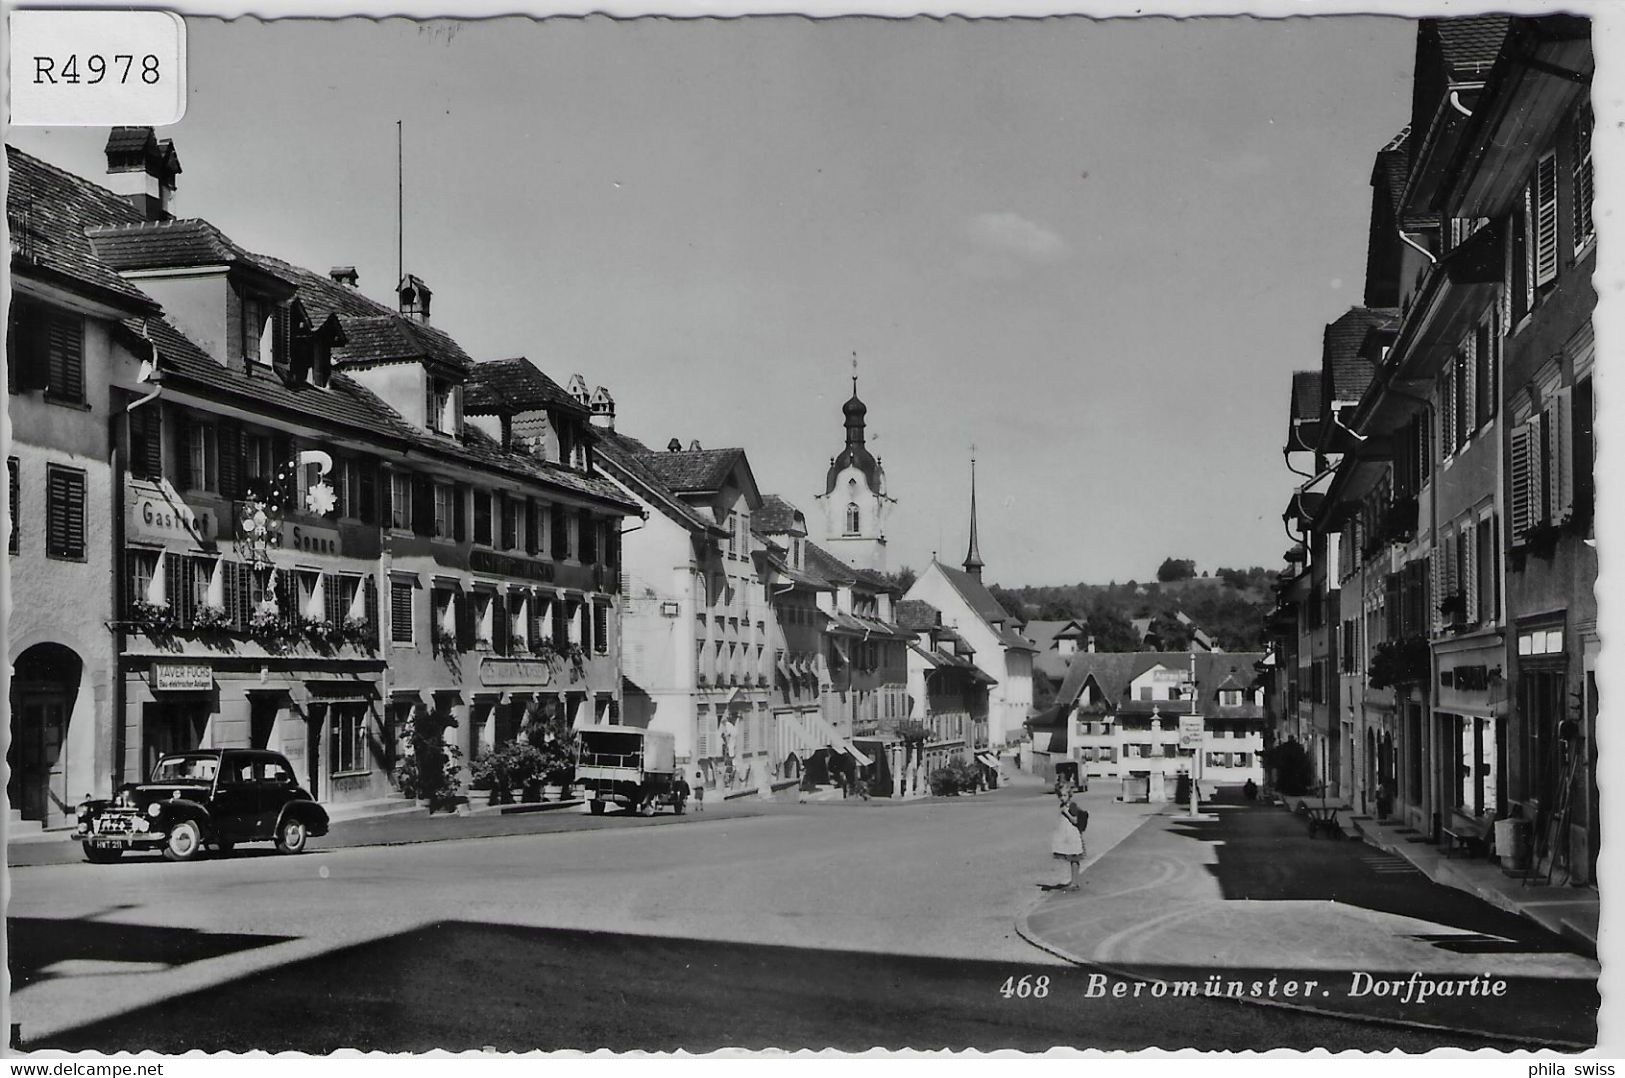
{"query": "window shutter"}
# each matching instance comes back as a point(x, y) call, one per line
point(1584, 226)
point(1467, 391)
point(230, 436)
point(459, 512)
point(174, 582)
point(245, 594)
point(67, 348)
point(465, 620)
point(228, 593)
point(11, 470)
point(1468, 541)
point(1582, 464)
point(400, 612)
point(532, 544)
point(422, 505)
point(499, 520)
point(1434, 621)
point(65, 493)
point(1546, 219)
point(386, 495)
point(1447, 412)
point(1562, 462)
point(153, 443)
point(1537, 469)
point(1521, 470)
point(499, 624)
point(371, 584)
point(1527, 237)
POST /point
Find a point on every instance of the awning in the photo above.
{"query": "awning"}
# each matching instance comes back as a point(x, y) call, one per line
point(988, 760)
point(852, 751)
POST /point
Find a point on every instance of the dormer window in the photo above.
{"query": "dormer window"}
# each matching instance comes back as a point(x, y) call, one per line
point(437, 406)
point(262, 320)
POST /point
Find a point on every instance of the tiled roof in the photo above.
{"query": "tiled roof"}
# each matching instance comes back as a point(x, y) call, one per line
point(1392, 167)
point(347, 404)
point(1115, 672)
point(179, 243)
point(693, 471)
point(1470, 45)
point(623, 456)
point(1345, 370)
point(1045, 633)
point(1306, 390)
point(48, 210)
point(822, 563)
point(507, 386)
point(776, 516)
point(128, 139)
point(367, 322)
point(917, 614)
point(1052, 664)
point(975, 593)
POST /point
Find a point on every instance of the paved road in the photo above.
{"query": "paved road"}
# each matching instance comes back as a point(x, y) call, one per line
point(846, 926)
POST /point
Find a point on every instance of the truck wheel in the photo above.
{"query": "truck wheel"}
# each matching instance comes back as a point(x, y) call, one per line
point(596, 807)
point(184, 842)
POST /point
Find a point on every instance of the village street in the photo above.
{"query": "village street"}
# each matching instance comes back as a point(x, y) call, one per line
point(845, 925)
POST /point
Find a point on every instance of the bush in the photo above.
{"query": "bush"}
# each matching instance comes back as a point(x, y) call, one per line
point(959, 776)
point(511, 767)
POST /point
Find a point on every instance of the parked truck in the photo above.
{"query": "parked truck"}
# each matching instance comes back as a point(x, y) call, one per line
point(627, 766)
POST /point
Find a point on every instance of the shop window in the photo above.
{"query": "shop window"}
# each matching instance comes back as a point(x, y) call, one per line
point(347, 726)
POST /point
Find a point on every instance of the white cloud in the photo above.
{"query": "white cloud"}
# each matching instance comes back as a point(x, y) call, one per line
point(1012, 235)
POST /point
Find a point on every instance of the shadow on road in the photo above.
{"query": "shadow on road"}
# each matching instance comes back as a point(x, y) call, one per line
point(37, 947)
point(1266, 855)
point(462, 985)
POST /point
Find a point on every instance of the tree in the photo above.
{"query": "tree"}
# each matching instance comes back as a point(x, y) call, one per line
point(1176, 569)
point(1111, 630)
point(903, 578)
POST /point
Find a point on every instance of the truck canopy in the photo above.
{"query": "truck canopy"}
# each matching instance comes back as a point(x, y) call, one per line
point(625, 746)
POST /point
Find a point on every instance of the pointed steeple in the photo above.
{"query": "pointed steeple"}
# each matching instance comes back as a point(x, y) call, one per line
point(973, 558)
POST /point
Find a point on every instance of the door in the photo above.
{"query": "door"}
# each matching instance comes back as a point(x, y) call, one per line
point(315, 720)
point(262, 716)
point(236, 802)
point(37, 784)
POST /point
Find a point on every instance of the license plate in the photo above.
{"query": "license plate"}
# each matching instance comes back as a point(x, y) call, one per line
point(95, 845)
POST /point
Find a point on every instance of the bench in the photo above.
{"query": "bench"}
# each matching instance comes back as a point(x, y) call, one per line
point(1466, 834)
point(1324, 820)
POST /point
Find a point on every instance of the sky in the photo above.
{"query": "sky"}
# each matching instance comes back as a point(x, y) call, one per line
point(1093, 250)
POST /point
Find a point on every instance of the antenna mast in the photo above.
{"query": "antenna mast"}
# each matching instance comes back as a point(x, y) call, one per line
point(400, 209)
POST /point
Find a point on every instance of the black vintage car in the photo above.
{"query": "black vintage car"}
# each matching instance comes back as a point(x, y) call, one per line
point(214, 797)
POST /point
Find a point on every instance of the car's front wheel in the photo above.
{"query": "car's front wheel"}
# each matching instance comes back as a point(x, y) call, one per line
point(292, 836)
point(102, 855)
point(184, 842)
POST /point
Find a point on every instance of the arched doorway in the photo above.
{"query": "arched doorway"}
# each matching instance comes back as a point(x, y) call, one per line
point(44, 686)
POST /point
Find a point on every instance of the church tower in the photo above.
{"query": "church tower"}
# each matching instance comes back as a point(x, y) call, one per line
point(854, 499)
point(973, 557)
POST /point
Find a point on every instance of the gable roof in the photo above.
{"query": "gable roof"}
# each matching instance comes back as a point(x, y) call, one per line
point(177, 243)
point(695, 471)
point(623, 457)
point(509, 386)
point(47, 210)
point(1346, 369)
point(1115, 672)
point(986, 607)
point(776, 516)
point(1046, 633)
point(1470, 44)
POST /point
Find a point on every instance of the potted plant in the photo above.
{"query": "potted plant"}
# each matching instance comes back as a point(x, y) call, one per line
point(1454, 609)
point(358, 633)
point(542, 648)
point(209, 618)
point(445, 643)
point(152, 618)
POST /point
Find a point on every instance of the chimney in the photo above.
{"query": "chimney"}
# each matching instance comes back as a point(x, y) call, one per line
point(694, 446)
point(415, 297)
point(674, 446)
point(578, 391)
point(1091, 643)
point(345, 275)
point(603, 409)
point(142, 169)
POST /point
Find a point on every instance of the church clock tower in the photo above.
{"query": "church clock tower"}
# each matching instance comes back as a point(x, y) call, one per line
point(854, 499)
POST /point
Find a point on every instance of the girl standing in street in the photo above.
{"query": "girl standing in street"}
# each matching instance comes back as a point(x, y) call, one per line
point(1066, 843)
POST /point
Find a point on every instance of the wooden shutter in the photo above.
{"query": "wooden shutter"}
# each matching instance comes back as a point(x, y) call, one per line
point(459, 512)
point(229, 435)
point(499, 624)
point(1537, 469)
point(422, 505)
point(465, 620)
point(174, 582)
point(400, 612)
point(1435, 591)
point(1546, 218)
point(1520, 474)
point(532, 544)
point(245, 594)
point(1561, 466)
point(1584, 226)
point(67, 351)
point(1526, 237)
point(1467, 552)
point(65, 513)
point(12, 475)
point(366, 491)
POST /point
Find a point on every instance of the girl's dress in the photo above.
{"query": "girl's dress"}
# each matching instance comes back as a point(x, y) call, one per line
point(1066, 843)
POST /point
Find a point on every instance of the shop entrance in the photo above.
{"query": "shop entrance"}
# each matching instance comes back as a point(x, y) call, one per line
point(171, 726)
point(44, 687)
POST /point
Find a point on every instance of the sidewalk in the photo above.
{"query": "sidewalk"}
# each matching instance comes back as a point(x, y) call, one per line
point(1570, 912)
point(1243, 904)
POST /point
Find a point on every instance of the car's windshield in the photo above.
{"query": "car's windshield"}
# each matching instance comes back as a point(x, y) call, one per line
point(199, 769)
